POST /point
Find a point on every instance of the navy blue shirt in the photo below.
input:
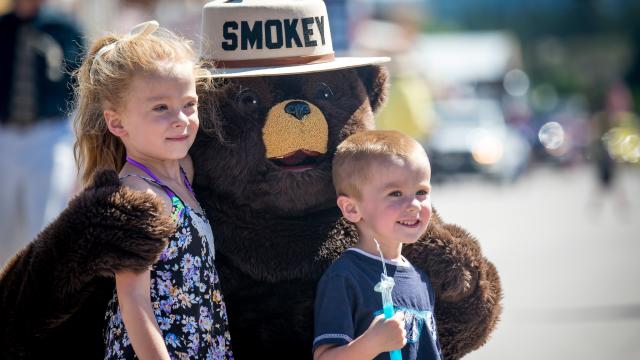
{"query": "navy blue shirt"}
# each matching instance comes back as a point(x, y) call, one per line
point(346, 303)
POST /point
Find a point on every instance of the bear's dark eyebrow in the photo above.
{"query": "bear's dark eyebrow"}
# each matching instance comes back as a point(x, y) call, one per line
point(328, 87)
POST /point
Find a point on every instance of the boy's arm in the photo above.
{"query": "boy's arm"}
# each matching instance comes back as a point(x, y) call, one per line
point(381, 336)
point(134, 299)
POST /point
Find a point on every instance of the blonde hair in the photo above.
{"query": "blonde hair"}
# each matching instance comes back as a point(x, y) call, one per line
point(357, 154)
point(103, 80)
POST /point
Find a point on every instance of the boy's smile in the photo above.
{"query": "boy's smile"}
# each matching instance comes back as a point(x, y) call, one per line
point(394, 205)
point(410, 224)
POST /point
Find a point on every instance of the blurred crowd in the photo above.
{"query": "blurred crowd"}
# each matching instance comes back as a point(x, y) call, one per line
point(483, 95)
point(43, 42)
point(40, 50)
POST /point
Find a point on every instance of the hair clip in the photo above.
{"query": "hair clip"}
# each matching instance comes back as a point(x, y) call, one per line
point(145, 28)
point(98, 57)
point(104, 49)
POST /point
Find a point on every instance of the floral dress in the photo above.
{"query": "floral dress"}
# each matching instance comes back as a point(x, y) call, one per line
point(185, 295)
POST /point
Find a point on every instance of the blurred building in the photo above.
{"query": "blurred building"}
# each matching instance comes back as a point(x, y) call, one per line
point(479, 59)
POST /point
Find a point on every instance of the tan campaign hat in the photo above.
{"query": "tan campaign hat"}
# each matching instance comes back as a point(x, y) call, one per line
point(246, 38)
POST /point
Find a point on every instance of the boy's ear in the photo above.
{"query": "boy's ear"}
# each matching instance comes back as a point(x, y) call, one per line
point(114, 123)
point(349, 208)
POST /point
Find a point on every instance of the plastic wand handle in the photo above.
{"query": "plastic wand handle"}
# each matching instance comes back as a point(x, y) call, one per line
point(388, 314)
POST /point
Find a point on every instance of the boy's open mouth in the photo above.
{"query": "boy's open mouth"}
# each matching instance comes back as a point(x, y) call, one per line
point(409, 223)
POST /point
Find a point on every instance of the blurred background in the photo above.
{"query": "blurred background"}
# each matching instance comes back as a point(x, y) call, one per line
point(528, 110)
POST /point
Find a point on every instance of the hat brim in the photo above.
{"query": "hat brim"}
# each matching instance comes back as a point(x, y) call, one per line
point(335, 64)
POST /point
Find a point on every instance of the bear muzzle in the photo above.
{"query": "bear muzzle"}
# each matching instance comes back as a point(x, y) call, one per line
point(295, 135)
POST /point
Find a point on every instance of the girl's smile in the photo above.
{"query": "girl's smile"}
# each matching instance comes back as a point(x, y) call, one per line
point(178, 138)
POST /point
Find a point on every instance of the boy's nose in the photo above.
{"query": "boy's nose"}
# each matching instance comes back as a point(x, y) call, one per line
point(414, 205)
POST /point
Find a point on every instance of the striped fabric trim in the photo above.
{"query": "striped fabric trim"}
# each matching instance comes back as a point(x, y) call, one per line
point(332, 336)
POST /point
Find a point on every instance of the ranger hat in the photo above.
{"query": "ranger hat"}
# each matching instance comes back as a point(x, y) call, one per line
point(245, 38)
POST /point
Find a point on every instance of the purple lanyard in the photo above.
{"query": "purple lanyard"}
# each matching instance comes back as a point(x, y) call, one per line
point(154, 177)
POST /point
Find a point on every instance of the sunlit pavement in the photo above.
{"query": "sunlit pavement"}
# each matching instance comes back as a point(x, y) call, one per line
point(569, 258)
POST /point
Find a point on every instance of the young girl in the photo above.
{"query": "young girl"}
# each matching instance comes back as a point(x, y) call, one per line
point(137, 113)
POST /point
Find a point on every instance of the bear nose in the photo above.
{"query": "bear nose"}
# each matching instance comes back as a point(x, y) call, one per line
point(299, 109)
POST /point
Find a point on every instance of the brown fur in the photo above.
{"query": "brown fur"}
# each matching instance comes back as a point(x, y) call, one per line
point(53, 293)
point(467, 286)
point(248, 175)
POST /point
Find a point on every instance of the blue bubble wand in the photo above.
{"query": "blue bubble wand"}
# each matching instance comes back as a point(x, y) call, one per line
point(384, 287)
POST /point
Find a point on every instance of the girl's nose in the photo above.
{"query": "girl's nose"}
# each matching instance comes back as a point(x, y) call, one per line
point(182, 120)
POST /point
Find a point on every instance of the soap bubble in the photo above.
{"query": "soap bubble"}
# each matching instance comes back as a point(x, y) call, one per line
point(551, 135)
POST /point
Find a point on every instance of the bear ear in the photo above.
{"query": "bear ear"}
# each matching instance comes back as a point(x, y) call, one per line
point(375, 79)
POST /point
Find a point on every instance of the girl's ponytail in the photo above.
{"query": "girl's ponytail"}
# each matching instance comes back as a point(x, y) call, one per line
point(95, 146)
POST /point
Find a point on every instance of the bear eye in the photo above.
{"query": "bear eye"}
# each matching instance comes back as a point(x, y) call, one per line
point(247, 100)
point(323, 92)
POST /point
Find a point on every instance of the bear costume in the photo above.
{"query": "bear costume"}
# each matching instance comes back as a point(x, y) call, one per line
point(263, 172)
point(278, 229)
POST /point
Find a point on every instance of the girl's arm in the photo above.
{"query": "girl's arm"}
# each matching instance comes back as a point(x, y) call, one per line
point(134, 297)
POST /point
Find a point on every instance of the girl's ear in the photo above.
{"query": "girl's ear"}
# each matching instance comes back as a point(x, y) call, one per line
point(349, 208)
point(114, 123)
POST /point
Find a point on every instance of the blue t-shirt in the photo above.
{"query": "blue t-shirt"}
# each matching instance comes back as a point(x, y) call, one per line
point(346, 303)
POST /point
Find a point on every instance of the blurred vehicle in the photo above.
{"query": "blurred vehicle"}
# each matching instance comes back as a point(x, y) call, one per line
point(471, 136)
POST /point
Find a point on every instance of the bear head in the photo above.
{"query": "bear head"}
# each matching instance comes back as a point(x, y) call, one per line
point(267, 142)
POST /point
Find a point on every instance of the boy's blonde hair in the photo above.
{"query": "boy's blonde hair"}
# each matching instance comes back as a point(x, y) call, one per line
point(103, 80)
point(356, 155)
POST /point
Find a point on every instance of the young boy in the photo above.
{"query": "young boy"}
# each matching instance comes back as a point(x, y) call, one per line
point(382, 179)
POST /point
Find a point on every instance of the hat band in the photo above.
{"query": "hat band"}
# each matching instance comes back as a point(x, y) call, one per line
point(281, 61)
